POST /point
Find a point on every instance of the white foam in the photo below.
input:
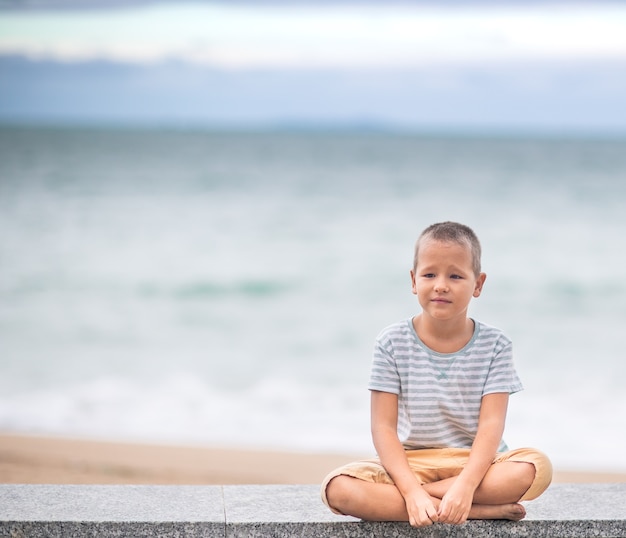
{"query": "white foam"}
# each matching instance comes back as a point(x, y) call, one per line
point(274, 413)
point(279, 413)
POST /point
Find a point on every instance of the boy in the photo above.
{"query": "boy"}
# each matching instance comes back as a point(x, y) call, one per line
point(440, 384)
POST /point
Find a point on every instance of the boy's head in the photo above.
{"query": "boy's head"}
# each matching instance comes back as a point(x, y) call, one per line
point(451, 232)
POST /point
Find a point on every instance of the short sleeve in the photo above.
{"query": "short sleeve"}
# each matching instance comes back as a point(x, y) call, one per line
point(384, 376)
point(502, 376)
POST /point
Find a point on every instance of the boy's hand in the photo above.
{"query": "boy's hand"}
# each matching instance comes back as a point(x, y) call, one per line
point(420, 508)
point(456, 504)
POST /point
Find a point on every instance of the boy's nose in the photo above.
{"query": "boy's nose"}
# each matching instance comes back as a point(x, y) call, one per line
point(441, 285)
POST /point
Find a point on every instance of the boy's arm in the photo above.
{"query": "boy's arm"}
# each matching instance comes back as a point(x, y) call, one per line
point(419, 505)
point(456, 503)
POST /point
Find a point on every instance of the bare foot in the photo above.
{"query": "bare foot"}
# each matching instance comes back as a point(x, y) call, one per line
point(512, 511)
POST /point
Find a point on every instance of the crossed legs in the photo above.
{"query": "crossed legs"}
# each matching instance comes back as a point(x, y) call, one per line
point(496, 497)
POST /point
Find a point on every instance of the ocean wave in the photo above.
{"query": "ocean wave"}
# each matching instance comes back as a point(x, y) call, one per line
point(244, 288)
point(192, 289)
point(282, 413)
point(273, 413)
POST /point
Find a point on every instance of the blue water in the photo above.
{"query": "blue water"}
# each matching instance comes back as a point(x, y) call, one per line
point(226, 288)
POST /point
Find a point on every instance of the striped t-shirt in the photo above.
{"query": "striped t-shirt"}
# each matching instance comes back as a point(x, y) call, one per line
point(439, 394)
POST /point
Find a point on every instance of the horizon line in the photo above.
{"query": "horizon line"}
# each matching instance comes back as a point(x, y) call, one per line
point(321, 128)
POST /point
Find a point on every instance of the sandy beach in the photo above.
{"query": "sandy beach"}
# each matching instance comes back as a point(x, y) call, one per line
point(46, 460)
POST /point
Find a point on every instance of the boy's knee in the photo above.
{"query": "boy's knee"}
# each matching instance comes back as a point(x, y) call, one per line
point(542, 477)
point(525, 472)
point(339, 492)
point(541, 469)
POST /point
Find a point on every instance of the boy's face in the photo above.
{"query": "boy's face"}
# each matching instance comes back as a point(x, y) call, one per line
point(444, 279)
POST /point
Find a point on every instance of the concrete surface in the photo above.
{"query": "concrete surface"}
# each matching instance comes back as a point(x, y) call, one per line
point(51, 511)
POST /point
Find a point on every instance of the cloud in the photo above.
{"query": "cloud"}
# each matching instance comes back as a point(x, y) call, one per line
point(537, 98)
point(316, 36)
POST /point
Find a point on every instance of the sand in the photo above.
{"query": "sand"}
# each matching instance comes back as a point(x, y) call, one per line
point(46, 460)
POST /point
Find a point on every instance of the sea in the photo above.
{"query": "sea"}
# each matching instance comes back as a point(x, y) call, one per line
point(224, 288)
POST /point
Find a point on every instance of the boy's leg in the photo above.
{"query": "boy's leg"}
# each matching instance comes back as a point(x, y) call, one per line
point(383, 502)
point(366, 500)
point(365, 490)
point(517, 475)
point(504, 483)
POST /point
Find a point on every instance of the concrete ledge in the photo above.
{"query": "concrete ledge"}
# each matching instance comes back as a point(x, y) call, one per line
point(565, 511)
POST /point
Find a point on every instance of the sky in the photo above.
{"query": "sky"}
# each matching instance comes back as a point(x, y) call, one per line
point(557, 66)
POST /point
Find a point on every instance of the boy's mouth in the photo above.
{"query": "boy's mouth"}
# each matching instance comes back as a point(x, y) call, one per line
point(440, 300)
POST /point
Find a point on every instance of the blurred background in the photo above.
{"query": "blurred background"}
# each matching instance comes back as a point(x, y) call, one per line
point(208, 211)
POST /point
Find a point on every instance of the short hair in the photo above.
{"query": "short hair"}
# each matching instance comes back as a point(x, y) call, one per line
point(452, 232)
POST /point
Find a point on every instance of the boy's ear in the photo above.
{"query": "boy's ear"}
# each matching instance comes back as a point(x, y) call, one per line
point(480, 281)
point(413, 285)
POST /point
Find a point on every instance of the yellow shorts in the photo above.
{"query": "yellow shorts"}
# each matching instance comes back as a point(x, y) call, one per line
point(434, 464)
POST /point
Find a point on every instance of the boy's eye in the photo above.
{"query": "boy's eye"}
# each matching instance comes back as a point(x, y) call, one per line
point(456, 276)
point(429, 275)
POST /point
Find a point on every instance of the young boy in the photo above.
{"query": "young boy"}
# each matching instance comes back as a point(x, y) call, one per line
point(440, 385)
